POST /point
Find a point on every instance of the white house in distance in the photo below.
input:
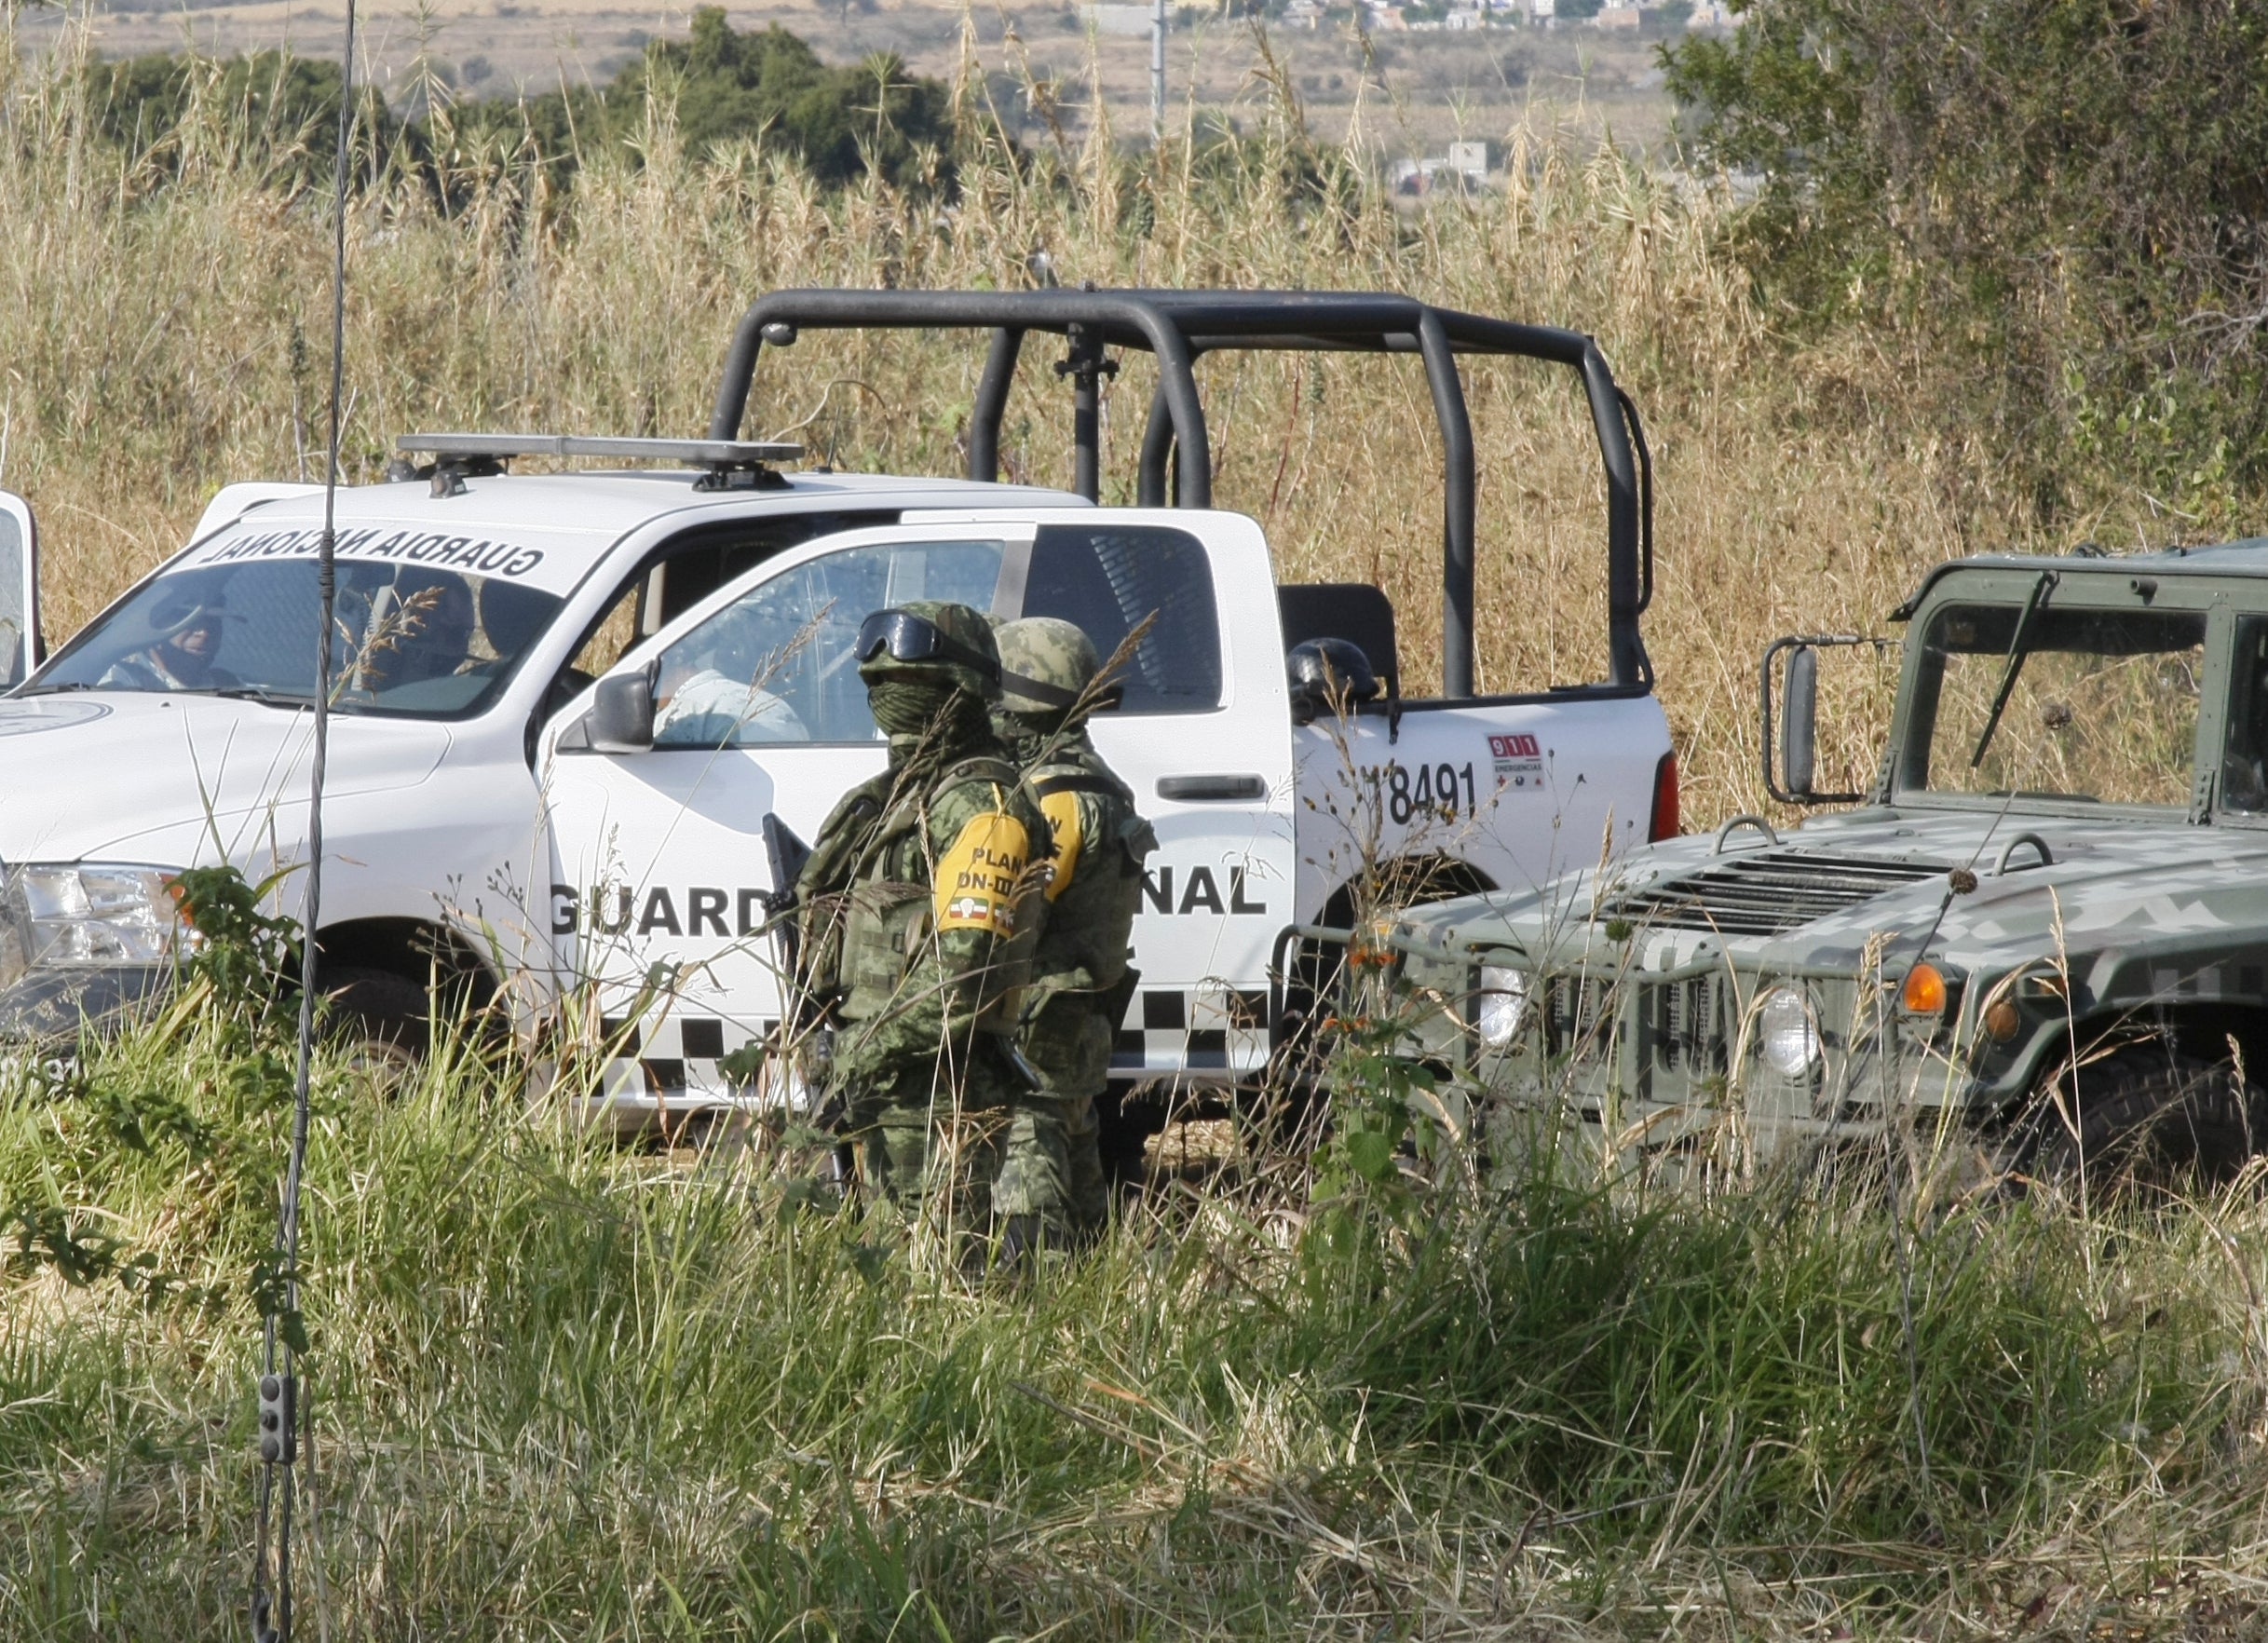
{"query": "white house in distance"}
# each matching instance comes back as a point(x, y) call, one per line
point(1463, 169)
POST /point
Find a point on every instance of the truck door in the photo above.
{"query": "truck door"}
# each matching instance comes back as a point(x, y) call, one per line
point(1203, 738)
point(660, 868)
point(19, 647)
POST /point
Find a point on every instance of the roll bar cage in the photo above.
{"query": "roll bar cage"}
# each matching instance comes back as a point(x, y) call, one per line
point(1179, 327)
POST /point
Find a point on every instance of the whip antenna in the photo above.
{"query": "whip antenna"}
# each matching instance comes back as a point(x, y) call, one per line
point(281, 1413)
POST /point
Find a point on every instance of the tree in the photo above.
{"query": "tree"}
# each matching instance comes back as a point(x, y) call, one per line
point(2071, 192)
point(768, 83)
point(282, 110)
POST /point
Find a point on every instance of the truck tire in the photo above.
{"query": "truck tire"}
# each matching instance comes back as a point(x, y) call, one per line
point(383, 1020)
point(1124, 1120)
point(2149, 1118)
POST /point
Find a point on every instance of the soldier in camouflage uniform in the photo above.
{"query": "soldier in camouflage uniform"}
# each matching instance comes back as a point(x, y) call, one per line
point(1050, 1179)
point(919, 904)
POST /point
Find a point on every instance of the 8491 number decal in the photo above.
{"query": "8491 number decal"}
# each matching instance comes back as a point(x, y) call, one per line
point(1444, 791)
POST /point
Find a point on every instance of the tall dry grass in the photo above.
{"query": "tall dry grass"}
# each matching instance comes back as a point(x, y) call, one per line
point(163, 325)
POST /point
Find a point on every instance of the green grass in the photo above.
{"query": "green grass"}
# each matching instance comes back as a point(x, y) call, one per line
point(563, 1391)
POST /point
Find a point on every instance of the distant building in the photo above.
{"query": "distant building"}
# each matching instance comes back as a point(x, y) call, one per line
point(1119, 19)
point(1461, 18)
point(1617, 17)
point(1463, 170)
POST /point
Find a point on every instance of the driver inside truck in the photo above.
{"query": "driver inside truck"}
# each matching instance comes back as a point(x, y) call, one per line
point(188, 629)
point(424, 632)
point(711, 690)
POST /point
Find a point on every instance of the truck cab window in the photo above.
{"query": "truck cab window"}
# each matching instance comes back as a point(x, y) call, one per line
point(1108, 581)
point(678, 576)
point(776, 665)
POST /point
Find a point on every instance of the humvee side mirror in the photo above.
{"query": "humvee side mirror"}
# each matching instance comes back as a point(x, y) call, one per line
point(1795, 780)
point(621, 718)
point(1798, 728)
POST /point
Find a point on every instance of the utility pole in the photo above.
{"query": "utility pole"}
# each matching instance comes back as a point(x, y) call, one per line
point(1157, 73)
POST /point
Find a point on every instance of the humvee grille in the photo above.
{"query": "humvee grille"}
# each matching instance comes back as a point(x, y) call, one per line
point(1688, 1034)
point(1576, 1011)
point(1766, 892)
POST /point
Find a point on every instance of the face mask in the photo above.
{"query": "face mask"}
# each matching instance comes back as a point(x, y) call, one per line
point(1023, 735)
point(902, 707)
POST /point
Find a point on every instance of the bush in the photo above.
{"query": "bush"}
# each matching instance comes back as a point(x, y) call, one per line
point(274, 110)
point(732, 86)
point(722, 86)
point(2068, 197)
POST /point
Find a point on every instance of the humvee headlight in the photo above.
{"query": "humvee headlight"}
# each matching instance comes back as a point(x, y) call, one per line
point(1501, 1004)
point(93, 915)
point(1787, 1035)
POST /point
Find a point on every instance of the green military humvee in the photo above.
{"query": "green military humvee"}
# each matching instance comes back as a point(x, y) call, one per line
point(2048, 917)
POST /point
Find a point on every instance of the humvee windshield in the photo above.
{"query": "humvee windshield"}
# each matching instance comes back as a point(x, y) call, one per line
point(416, 640)
point(2075, 704)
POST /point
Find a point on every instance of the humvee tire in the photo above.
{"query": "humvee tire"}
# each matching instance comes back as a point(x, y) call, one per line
point(2147, 1117)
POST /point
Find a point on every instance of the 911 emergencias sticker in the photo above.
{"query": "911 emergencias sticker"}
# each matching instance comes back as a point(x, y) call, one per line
point(1518, 759)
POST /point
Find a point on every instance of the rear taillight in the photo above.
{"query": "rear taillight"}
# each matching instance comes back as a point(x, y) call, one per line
point(1665, 822)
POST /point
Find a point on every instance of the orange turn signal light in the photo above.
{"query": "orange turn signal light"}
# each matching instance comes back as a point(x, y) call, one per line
point(2001, 1021)
point(1925, 991)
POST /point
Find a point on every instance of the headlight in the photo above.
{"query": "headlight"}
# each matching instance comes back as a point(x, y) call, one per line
point(1787, 1034)
point(1501, 1004)
point(93, 916)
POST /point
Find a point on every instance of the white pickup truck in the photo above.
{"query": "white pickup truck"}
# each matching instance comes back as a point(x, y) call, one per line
point(574, 709)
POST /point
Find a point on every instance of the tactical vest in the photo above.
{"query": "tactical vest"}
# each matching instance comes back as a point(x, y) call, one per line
point(891, 921)
point(1096, 888)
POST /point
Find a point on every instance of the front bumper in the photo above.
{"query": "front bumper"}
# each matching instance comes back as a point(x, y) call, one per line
point(46, 1009)
point(1660, 1056)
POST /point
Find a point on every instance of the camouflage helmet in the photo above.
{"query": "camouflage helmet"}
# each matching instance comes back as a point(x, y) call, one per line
point(1046, 665)
point(932, 640)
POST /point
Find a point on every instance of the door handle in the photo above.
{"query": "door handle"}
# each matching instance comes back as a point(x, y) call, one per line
point(1211, 789)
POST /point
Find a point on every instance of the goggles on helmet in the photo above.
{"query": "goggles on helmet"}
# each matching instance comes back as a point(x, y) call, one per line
point(909, 638)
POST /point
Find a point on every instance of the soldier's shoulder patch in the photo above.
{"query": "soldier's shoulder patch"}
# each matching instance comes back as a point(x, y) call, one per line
point(1068, 829)
point(977, 877)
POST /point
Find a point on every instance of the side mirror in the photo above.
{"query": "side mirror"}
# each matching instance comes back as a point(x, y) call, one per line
point(1798, 728)
point(621, 717)
point(1795, 782)
point(19, 647)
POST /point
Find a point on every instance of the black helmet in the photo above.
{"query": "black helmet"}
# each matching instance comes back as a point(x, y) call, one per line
point(1325, 673)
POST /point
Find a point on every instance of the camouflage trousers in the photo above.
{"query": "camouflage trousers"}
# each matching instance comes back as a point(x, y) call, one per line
point(1052, 1168)
point(931, 1148)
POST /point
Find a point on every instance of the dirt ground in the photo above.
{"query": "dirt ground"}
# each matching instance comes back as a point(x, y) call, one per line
point(1418, 91)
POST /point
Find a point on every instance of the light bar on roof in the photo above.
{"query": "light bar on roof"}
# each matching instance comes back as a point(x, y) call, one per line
point(501, 447)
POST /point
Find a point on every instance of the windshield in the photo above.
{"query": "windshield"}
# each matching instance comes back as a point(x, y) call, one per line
point(2098, 706)
point(409, 639)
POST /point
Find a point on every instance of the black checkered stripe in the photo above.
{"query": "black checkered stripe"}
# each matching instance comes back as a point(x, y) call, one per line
point(681, 1052)
point(1167, 1031)
point(1193, 1029)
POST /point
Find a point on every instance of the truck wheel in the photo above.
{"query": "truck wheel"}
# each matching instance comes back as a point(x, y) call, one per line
point(2146, 1118)
point(1124, 1120)
point(1283, 1116)
point(383, 1020)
